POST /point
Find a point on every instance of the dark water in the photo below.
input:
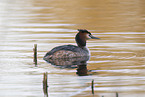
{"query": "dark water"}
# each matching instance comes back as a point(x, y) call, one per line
point(117, 62)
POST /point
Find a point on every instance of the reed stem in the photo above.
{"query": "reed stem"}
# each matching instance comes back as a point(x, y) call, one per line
point(117, 94)
point(45, 85)
point(35, 54)
point(92, 86)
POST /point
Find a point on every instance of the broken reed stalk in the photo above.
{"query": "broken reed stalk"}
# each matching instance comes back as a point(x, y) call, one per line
point(117, 94)
point(92, 86)
point(35, 54)
point(45, 86)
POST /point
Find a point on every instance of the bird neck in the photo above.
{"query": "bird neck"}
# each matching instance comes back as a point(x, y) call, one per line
point(81, 41)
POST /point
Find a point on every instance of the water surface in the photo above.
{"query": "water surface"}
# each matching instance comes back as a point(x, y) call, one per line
point(116, 63)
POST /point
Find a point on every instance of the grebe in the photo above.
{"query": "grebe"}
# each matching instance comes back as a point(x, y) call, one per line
point(72, 51)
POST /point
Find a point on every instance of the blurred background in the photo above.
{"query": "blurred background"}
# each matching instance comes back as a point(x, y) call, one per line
point(116, 63)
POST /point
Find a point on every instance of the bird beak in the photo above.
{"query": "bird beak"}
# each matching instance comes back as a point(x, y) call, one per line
point(93, 37)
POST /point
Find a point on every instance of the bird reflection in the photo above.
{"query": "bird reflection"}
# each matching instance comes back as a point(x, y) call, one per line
point(80, 63)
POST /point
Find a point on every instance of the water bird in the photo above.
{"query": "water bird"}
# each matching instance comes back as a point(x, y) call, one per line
point(72, 51)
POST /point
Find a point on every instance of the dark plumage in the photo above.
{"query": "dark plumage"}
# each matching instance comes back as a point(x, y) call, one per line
point(70, 51)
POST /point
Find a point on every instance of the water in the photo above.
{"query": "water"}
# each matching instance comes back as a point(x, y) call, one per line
point(116, 63)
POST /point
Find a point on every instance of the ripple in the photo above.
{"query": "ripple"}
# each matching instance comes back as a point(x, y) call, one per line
point(41, 29)
point(39, 25)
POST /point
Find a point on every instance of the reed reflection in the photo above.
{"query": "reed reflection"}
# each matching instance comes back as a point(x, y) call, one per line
point(80, 63)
